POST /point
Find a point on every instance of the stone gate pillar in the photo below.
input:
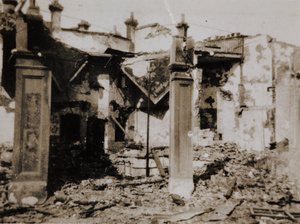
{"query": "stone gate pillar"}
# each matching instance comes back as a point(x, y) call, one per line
point(32, 114)
point(32, 127)
point(181, 92)
point(181, 148)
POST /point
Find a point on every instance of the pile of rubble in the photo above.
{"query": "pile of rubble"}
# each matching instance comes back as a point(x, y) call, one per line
point(230, 188)
point(251, 175)
point(246, 178)
point(72, 162)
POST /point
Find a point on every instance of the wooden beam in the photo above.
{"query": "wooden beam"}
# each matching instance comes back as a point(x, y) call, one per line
point(120, 126)
point(78, 71)
point(158, 163)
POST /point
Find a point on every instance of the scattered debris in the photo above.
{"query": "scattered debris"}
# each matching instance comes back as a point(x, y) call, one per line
point(138, 202)
point(177, 199)
point(275, 213)
point(21, 209)
point(101, 184)
point(295, 200)
point(132, 183)
point(60, 197)
point(223, 210)
point(230, 188)
point(227, 207)
point(182, 216)
point(127, 202)
point(90, 211)
point(230, 181)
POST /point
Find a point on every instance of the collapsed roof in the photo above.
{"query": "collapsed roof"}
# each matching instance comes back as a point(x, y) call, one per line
point(220, 49)
point(153, 67)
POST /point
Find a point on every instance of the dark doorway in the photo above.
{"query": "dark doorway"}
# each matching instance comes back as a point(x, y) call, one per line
point(208, 119)
point(95, 136)
point(70, 127)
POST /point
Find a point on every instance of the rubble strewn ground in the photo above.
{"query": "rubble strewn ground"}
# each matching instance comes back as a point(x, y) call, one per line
point(85, 190)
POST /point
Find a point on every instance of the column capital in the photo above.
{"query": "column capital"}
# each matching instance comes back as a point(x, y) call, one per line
point(55, 6)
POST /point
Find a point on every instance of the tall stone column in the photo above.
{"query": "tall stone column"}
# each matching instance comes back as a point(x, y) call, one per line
point(32, 128)
point(32, 116)
point(181, 92)
point(181, 147)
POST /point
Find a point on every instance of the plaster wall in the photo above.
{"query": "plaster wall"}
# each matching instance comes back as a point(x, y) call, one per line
point(287, 111)
point(158, 130)
point(7, 118)
point(244, 102)
point(7, 111)
point(256, 78)
point(282, 69)
point(294, 151)
point(74, 93)
point(227, 120)
point(103, 101)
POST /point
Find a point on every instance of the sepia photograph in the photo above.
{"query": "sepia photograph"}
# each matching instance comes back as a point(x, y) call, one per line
point(150, 111)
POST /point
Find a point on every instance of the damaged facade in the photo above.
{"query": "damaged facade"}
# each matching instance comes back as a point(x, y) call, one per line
point(90, 94)
point(245, 86)
point(96, 100)
point(249, 94)
point(248, 89)
point(86, 85)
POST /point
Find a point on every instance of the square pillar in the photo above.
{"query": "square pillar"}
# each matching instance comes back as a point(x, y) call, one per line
point(181, 147)
point(181, 113)
point(32, 130)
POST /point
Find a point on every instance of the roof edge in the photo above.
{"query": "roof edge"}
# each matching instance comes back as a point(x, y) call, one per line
point(145, 91)
point(94, 33)
point(147, 26)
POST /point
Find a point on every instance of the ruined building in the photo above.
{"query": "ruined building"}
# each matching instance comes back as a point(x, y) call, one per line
point(246, 88)
point(249, 94)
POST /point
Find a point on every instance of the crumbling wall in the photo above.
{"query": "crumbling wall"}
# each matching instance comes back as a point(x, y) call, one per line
point(216, 90)
point(286, 69)
point(103, 104)
point(103, 101)
point(118, 103)
point(244, 99)
point(294, 142)
point(256, 94)
point(158, 129)
point(282, 70)
point(77, 92)
point(77, 99)
point(197, 132)
point(228, 105)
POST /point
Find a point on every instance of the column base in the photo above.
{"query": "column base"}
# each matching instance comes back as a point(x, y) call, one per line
point(30, 193)
point(182, 187)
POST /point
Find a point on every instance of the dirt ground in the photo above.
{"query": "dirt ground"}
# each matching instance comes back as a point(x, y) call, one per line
point(227, 188)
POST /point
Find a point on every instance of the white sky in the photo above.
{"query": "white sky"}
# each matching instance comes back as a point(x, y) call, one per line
point(278, 18)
